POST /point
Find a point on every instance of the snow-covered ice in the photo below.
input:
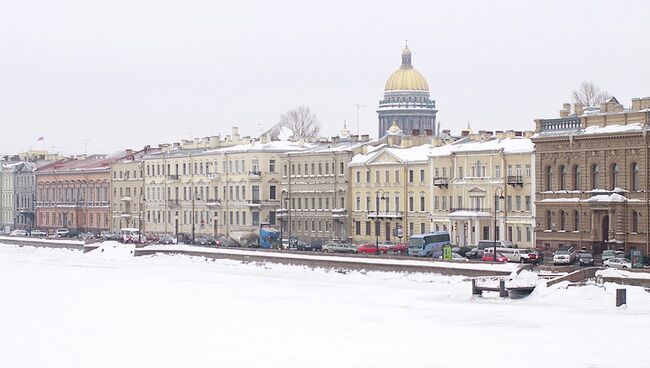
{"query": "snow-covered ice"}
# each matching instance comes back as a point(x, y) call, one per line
point(61, 308)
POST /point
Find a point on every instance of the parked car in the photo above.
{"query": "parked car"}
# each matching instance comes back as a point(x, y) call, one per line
point(528, 256)
point(205, 240)
point(475, 253)
point(62, 233)
point(487, 257)
point(37, 232)
point(564, 256)
point(167, 239)
point(586, 259)
point(303, 246)
point(86, 236)
point(462, 250)
point(401, 248)
point(482, 244)
point(618, 263)
point(337, 247)
point(225, 241)
point(608, 254)
point(18, 232)
point(370, 248)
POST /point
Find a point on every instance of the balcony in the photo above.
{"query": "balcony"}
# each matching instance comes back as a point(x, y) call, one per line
point(212, 202)
point(441, 182)
point(173, 177)
point(254, 202)
point(385, 215)
point(173, 203)
point(212, 176)
point(515, 180)
point(340, 213)
point(125, 199)
point(255, 175)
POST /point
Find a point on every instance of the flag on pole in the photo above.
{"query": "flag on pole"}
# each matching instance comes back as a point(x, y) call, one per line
point(40, 139)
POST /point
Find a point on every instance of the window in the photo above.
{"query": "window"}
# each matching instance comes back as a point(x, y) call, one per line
point(548, 179)
point(527, 203)
point(576, 221)
point(595, 176)
point(387, 179)
point(272, 192)
point(635, 222)
point(549, 219)
point(435, 203)
point(397, 176)
point(562, 178)
point(368, 176)
point(518, 203)
point(497, 171)
point(635, 177)
point(368, 228)
point(527, 167)
point(509, 203)
point(377, 177)
point(421, 175)
point(614, 176)
point(358, 203)
point(422, 203)
point(562, 220)
point(410, 176)
point(576, 177)
point(357, 227)
point(358, 174)
point(411, 203)
point(341, 168)
point(423, 228)
point(460, 172)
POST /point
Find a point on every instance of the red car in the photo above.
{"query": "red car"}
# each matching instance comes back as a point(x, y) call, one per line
point(487, 257)
point(401, 248)
point(371, 249)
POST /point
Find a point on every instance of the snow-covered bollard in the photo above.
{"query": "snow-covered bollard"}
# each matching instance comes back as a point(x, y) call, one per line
point(621, 297)
point(503, 293)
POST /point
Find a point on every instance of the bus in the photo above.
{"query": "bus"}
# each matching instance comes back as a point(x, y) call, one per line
point(269, 238)
point(428, 245)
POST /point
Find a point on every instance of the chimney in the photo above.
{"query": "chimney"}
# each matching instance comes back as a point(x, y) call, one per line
point(365, 138)
point(566, 110)
point(354, 138)
point(578, 108)
point(336, 139)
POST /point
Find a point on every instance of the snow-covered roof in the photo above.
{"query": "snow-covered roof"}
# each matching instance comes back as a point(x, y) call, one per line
point(273, 146)
point(507, 145)
point(406, 155)
point(594, 130)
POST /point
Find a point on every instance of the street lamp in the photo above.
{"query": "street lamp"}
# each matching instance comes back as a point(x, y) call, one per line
point(377, 218)
point(140, 215)
point(498, 194)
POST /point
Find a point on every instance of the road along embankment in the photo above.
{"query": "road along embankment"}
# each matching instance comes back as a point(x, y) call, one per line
point(339, 262)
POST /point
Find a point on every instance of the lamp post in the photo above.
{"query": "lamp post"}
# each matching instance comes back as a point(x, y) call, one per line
point(141, 201)
point(377, 217)
point(498, 194)
point(283, 200)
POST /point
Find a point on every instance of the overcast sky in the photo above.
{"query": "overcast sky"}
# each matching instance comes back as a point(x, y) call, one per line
point(125, 73)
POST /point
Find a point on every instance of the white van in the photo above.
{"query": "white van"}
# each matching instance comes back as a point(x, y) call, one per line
point(513, 254)
point(129, 235)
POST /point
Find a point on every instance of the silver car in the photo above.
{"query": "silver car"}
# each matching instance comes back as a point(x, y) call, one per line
point(336, 247)
point(618, 263)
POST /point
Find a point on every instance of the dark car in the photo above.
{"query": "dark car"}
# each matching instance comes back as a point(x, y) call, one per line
point(475, 253)
point(462, 251)
point(167, 240)
point(205, 240)
point(586, 259)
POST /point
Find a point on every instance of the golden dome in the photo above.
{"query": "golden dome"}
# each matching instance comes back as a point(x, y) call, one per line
point(406, 78)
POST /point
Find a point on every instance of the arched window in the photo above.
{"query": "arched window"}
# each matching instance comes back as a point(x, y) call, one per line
point(549, 179)
point(614, 176)
point(595, 176)
point(549, 219)
point(576, 221)
point(635, 177)
point(635, 222)
point(576, 177)
point(562, 178)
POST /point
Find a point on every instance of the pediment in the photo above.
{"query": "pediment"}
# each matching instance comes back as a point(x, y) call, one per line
point(476, 189)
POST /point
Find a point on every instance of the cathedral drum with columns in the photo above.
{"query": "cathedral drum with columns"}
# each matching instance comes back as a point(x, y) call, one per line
point(406, 101)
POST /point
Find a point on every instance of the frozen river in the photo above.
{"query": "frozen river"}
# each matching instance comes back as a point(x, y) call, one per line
point(60, 308)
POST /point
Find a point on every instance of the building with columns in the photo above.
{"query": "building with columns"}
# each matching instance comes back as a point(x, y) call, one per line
point(390, 188)
point(592, 177)
point(468, 178)
point(407, 102)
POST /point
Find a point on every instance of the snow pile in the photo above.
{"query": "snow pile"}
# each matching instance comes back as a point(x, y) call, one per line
point(612, 272)
point(112, 250)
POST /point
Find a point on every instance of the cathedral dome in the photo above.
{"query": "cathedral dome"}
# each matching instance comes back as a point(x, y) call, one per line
point(406, 78)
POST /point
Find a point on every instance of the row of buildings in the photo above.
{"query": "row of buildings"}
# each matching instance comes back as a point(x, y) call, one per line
point(579, 179)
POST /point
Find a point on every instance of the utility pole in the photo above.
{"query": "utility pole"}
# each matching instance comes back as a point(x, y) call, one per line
point(358, 106)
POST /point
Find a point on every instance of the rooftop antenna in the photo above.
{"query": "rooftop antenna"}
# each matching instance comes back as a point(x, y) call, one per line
point(358, 106)
point(85, 145)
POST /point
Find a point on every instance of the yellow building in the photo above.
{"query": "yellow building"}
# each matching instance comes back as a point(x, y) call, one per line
point(390, 189)
point(478, 175)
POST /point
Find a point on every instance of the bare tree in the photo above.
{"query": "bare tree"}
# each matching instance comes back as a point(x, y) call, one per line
point(301, 121)
point(590, 95)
